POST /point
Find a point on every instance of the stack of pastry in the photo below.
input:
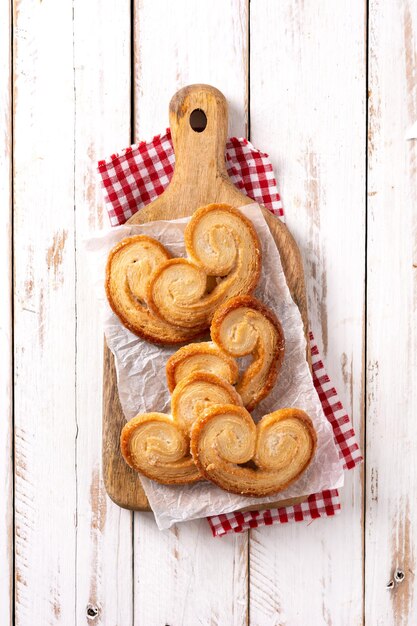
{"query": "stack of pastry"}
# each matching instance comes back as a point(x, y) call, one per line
point(210, 433)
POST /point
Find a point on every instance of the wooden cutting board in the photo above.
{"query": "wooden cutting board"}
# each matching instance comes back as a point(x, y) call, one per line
point(198, 118)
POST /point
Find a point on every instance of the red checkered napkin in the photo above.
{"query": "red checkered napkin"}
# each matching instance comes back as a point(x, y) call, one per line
point(318, 504)
point(138, 175)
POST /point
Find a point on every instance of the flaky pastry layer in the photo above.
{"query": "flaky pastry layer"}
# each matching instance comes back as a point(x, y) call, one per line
point(157, 445)
point(200, 357)
point(242, 326)
point(241, 457)
point(171, 301)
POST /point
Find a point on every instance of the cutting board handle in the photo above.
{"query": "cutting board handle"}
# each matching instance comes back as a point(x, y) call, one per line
point(199, 151)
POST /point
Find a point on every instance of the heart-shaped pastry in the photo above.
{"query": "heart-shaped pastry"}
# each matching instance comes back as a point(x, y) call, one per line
point(241, 326)
point(241, 457)
point(157, 445)
point(170, 301)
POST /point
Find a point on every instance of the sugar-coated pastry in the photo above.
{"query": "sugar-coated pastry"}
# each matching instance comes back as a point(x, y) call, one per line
point(242, 326)
point(130, 265)
point(171, 301)
point(157, 445)
point(154, 445)
point(200, 357)
point(241, 457)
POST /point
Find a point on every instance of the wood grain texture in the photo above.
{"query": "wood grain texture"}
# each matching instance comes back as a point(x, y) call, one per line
point(391, 477)
point(71, 99)
point(202, 580)
point(45, 423)
point(200, 177)
point(104, 554)
point(198, 580)
point(6, 322)
point(198, 42)
point(307, 107)
point(122, 482)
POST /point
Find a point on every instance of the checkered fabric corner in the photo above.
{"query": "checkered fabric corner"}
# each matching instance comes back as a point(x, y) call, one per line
point(325, 503)
point(317, 505)
point(139, 174)
point(344, 434)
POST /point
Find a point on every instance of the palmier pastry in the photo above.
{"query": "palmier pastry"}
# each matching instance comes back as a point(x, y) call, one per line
point(241, 457)
point(241, 326)
point(157, 445)
point(130, 265)
point(171, 301)
point(200, 357)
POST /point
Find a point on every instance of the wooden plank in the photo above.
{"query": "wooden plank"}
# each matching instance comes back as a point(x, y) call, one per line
point(307, 86)
point(102, 125)
point(45, 419)
point(204, 42)
point(391, 478)
point(185, 576)
point(6, 345)
point(174, 48)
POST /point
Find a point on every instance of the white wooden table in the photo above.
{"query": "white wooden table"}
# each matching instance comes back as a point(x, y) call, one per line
point(328, 89)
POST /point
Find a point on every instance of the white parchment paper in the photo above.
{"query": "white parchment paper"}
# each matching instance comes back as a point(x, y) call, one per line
point(142, 384)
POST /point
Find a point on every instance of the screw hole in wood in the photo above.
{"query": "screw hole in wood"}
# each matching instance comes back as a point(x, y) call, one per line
point(198, 120)
point(92, 611)
point(399, 576)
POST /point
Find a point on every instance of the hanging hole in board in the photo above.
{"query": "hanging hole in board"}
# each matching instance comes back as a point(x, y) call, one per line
point(198, 120)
